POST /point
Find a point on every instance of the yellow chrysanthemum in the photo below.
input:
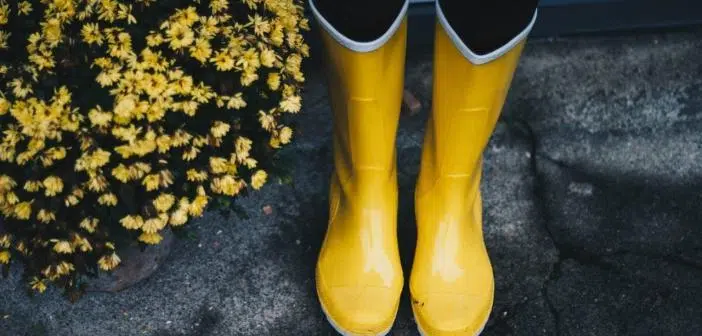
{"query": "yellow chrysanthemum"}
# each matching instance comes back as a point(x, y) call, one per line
point(63, 246)
point(108, 199)
point(38, 285)
point(89, 224)
point(285, 135)
point(4, 257)
point(23, 210)
point(197, 206)
point(258, 179)
point(179, 218)
point(52, 185)
point(109, 262)
point(164, 202)
point(219, 129)
point(195, 175)
point(46, 216)
point(24, 7)
point(153, 225)
point(150, 238)
point(91, 34)
point(151, 182)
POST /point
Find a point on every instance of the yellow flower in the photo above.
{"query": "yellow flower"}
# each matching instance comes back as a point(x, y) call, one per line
point(190, 154)
point(64, 268)
point(63, 246)
point(218, 6)
point(5, 241)
point(109, 262)
point(219, 129)
point(223, 61)
point(197, 207)
point(153, 225)
point(93, 160)
point(23, 210)
point(261, 26)
point(4, 105)
point(179, 217)
point(150, 238)
point(99, 118)
point(151, 182)
point(89, 224)
point(273, 81)
point(236, 102)
point(38, 285)
point(121, 173)
point(258, 179)
point(51, 30)
point(132, 222)
point(163, 142)
point(166, 178)
point(108, 199)
point(6, 183)
point(201, 51)
point(195, 175)
point(242, 148)
point(248, 77)
point(32, 186)
point(4, 36)
point(97, 183)
point(226, 185)
point(268, 58)
point(164, 202)
point(24, 7)
point(74, 198)
point(82, 243)
point(267, 120)
point(291, 104)
point(46, 216)
point(4, 257)
point(154, 39)
point(285, 135)
point(277, 36)
point(11, 198)
point(91, 33)
point(125, 108)
point(219, 165)
point(180, 36)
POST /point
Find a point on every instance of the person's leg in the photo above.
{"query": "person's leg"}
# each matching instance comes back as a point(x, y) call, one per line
point(359, 276)
point(477, 48)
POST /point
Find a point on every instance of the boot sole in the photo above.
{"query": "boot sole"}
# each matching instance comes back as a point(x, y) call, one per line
point(422, 333)
point(343, 332)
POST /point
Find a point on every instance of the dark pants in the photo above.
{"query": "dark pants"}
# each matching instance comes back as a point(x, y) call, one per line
point(483, 25)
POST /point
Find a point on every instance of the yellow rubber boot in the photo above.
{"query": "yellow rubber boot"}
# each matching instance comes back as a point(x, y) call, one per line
point(358, 276)
point(452, 281)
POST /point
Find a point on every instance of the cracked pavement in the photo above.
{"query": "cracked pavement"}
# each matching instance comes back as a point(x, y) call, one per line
point(592, 212)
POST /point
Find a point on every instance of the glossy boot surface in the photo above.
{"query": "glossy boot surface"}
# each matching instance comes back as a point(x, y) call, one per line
point(452, 280)
point(358, 276)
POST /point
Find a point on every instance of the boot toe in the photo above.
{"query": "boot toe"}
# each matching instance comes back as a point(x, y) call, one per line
point(452, 314)
point(359, 310)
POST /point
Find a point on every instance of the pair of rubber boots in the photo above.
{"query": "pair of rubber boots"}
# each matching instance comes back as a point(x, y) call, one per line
point(359, 276)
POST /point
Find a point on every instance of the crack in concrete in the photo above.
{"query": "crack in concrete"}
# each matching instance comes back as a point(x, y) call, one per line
point(566, 252)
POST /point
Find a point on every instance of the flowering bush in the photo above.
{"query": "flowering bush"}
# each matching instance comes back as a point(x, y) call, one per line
point(123, 118)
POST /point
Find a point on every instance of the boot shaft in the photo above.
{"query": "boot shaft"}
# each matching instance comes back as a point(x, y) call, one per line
point(365, 90)
point(467, 102)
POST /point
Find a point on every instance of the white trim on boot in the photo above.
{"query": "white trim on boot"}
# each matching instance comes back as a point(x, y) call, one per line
point(486, 58)
point(356, 45)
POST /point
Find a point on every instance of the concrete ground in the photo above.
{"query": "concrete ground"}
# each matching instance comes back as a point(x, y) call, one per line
point(592, 191)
